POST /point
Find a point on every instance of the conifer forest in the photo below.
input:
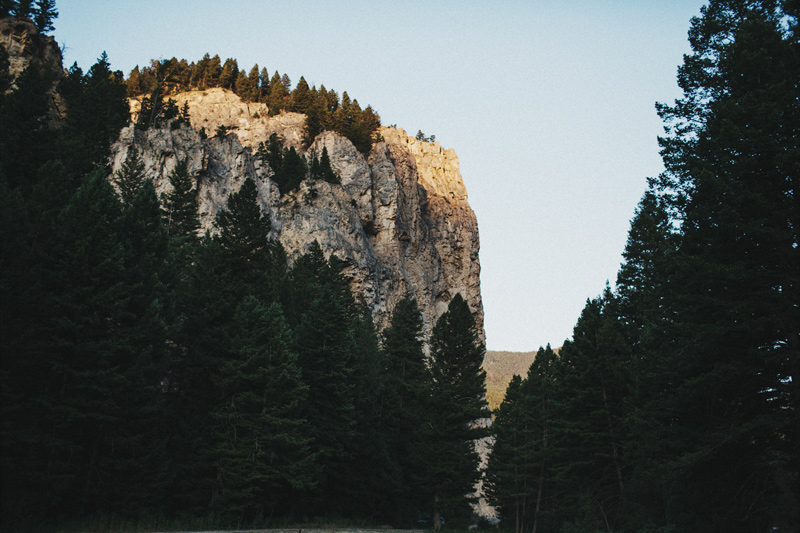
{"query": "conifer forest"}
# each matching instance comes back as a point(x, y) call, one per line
point(150, 369)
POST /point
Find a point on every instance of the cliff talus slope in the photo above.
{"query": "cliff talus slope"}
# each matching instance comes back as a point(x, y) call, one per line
point(400, 218)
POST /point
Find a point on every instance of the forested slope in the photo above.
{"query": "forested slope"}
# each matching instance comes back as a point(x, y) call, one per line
point(151, 370)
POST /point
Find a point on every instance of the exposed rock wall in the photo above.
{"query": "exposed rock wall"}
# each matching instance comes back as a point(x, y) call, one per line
point(26, 46)
point(400, 218)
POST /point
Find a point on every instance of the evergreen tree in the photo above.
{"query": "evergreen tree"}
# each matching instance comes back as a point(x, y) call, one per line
point(301, 97)
point(180, 205)
point(244, 229)
point(289, 168)
point(212, 72)
point(326, 171)
point(135, 83)
point(320, 168)
point(98, 341)
point(729, 409)
point(370, 470)
point(278, 93)
point(223, 271)
point(538, 397)
point(315, 121)
point(522, 474)
point(43, 15)
point(197, 78)
point(458, 405)
point(506, 479)
point(228, 74)
point(589, 412)
point(641, 280)
point(272, 152)
point(130, 177)
point(323, 308)
point(262, 456)
point(23, 8)
point(98, 110)
point(5, 74)
point(185, 117)
point(263, 85)
point(405, 402)
point(293, 171)
point(249, 90)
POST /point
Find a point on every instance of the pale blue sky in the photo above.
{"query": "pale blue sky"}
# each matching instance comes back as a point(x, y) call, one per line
point(549, 105)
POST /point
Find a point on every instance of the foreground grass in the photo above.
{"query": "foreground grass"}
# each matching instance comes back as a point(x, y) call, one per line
point(110, 523)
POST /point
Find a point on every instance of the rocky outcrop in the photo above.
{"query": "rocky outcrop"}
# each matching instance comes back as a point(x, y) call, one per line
point(250, 121)
point(25, 47)
point(400, 218)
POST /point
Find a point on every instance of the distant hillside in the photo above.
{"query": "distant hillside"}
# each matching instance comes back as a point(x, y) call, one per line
point(500, 367)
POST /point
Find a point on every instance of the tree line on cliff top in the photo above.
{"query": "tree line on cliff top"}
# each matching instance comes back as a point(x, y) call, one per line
point(149, 370)
point(323, 108)
point(674, 407)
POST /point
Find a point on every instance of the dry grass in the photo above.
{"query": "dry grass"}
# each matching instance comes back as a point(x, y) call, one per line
point(500, 367)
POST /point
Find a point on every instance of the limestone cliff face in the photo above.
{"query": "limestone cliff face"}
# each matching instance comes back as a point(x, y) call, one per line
point(400, 218)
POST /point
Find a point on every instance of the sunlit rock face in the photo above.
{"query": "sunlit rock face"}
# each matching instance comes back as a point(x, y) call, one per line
point(400, 218)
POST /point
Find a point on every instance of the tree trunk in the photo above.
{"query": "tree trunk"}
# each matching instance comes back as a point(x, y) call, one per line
point(437, 514)
point(614, 448)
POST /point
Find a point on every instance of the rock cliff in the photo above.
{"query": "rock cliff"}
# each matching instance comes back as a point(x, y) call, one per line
point(26, 46)
point(400, 218)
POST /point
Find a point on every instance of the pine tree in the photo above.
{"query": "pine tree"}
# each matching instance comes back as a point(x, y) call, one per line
point(244, 229)
point(130, 177)
point(98, 110)
point(229, 73)
point(180, 205)
point(101, 337)
point(589, 412)
point(301, 97)
point(539, 394)
point(293, 171)
point(263, 85)
point(212, 72)
point(326, 171)
point(315, 120)
point(262, 456)
point(507, 479)
point(729, 412)
point(321, 309)
point(521, 474)
point(250, 90)
point(223, 271)
point(278, 93)
point(365, 490)
point(43, 15)
point(458, 404)
point(5, 74)
point(23, 8)
point(405, 402)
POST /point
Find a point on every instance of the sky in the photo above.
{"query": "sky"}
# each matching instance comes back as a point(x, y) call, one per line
point(550, 106)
